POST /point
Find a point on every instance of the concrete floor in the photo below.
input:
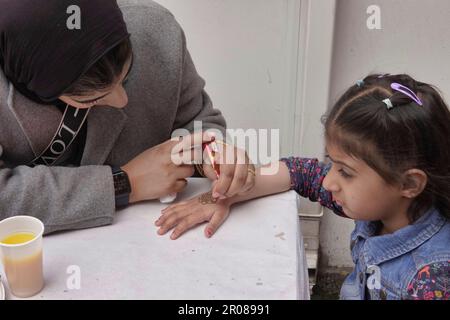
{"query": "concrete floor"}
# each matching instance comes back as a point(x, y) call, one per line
point(328, 285)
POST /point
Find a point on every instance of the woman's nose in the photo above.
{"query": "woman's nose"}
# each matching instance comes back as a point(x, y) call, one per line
point(118, 98)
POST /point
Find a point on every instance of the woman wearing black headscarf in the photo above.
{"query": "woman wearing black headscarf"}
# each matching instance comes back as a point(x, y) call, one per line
point(76, 140)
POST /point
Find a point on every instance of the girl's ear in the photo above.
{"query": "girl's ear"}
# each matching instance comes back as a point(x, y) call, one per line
point(414, 181)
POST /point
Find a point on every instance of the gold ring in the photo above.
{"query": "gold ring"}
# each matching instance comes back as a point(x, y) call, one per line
point(252, 171)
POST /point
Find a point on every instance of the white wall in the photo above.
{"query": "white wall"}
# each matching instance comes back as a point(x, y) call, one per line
point(266, 64)
point(242, 48)
point(414, 39)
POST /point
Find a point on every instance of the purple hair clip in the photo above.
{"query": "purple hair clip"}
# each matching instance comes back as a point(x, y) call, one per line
point(406, 91)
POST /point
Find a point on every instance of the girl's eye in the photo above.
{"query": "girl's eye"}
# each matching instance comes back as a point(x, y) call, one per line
point(344, 174)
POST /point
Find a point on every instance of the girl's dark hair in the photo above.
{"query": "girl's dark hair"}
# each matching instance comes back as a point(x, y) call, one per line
point(395, 140)
point(104, 72)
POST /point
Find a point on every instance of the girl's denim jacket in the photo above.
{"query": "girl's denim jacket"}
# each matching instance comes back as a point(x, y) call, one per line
point(392, 266)
point(386, 265)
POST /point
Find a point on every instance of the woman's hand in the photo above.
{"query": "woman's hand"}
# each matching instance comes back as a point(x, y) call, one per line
point(153, 174)
point(236, 172)
point(187, 214)
point(232, 164)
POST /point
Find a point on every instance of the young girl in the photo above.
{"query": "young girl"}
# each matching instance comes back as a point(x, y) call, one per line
point(388, 140)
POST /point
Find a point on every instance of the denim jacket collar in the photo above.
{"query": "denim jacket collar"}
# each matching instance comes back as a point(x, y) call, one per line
point(378, 249)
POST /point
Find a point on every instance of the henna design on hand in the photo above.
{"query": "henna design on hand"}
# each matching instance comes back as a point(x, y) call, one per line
point(207, 198)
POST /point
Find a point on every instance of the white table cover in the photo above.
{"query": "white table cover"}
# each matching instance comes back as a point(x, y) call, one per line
point(257, 253)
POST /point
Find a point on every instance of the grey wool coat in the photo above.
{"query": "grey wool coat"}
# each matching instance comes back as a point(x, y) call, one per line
point(165, 93)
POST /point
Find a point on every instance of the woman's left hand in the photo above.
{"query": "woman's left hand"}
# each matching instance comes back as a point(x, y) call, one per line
point(187, 214)
point(236, 172)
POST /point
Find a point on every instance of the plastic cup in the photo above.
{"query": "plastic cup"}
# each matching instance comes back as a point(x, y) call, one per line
point(22, 262)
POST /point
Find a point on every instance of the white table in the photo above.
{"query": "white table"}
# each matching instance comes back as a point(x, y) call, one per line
point(256, 254)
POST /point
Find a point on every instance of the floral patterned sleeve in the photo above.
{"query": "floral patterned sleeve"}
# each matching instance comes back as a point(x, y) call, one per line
point(431, 282)
point(306, 179)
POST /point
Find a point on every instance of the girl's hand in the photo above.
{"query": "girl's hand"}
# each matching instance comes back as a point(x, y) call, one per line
point(187, 214)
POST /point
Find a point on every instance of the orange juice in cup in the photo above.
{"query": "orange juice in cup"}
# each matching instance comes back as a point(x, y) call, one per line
point(21, 254)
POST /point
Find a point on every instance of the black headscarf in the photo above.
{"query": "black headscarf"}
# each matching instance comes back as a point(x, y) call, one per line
point(41, 56)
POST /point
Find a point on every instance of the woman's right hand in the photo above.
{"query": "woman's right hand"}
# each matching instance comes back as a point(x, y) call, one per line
point(153, 175)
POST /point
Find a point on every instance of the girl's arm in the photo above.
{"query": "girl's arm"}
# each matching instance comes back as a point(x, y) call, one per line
point(303, 175)
point(266, 184)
